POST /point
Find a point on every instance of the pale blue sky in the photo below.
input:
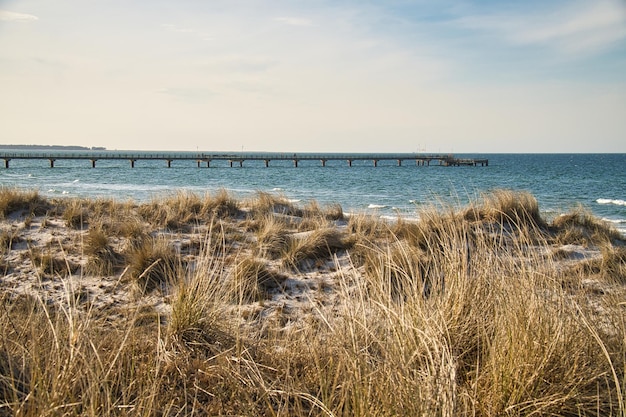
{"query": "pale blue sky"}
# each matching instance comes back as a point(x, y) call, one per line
point(319, 75)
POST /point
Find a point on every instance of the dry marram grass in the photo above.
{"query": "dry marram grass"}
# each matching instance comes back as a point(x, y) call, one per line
point(463, 313)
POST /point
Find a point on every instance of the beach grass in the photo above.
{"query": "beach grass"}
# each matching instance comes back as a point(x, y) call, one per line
point(205, 305)
point(13, 200)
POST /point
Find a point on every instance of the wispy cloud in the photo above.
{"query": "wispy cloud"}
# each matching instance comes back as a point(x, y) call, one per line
point(294, 21)
point(581, 28)
point(5, 15)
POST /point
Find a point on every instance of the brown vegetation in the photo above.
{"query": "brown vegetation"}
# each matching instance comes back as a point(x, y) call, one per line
point(28, 202)
point(102, 256)
point(153, 264)
point(264, 308)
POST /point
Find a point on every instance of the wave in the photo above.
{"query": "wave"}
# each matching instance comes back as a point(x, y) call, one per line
point(376, 206)
point(399, 216)
point(615, 221)
point(389, 218)
point(55, 191)
point(611, 201)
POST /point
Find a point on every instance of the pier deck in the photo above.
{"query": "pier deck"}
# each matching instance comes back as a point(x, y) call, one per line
point(239, 158)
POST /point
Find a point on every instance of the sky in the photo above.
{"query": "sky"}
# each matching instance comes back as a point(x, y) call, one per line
point(464, 76)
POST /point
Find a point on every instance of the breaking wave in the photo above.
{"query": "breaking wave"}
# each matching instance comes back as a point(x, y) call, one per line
point(611, 201)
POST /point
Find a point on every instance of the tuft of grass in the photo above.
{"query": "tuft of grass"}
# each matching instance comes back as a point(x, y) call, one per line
point(581, 227)
point(334, 212)
point(174, 212)
point(252, 280)
point(165, 213)
point(538, 351)
point(517, 209)
point(76, 214)
point(434, 231)
point(185, 210)
point(51, 264)
point(59, 362)
point(613, 265)
point(153, 265)
point(312, 209)
point(14, 371)
point(273, 237)
point(265, 203)
point(197, 304)
point(367, 228)
point(8, 237)
point(315, 245)
point(102, 257)
point(221, 205)
point(331, 212)
point(315, 217)
point(129, 226)
point(400, 271)
point(102, 210)
point(13, 200)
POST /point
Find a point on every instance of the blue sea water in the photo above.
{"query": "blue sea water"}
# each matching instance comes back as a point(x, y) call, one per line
point(560, 182)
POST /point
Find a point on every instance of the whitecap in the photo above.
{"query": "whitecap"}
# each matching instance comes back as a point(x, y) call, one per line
point(76, 181)
point(65, 192)
point(376, 206)
point(277, 189)
point(389, 218)
point(616, 221)
point(611, 201)
point(294, 200)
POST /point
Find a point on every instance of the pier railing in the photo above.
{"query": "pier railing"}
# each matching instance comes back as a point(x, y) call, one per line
point(239, 157)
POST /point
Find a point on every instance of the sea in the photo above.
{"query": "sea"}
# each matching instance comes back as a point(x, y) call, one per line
point(560, 182)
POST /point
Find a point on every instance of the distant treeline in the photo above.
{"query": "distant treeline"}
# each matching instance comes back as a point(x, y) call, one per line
point(54, 147)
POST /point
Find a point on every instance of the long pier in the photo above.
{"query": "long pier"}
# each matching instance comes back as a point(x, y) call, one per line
point(238, 158)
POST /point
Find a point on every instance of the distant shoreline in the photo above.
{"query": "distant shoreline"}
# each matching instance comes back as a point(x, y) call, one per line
point(54, 147)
